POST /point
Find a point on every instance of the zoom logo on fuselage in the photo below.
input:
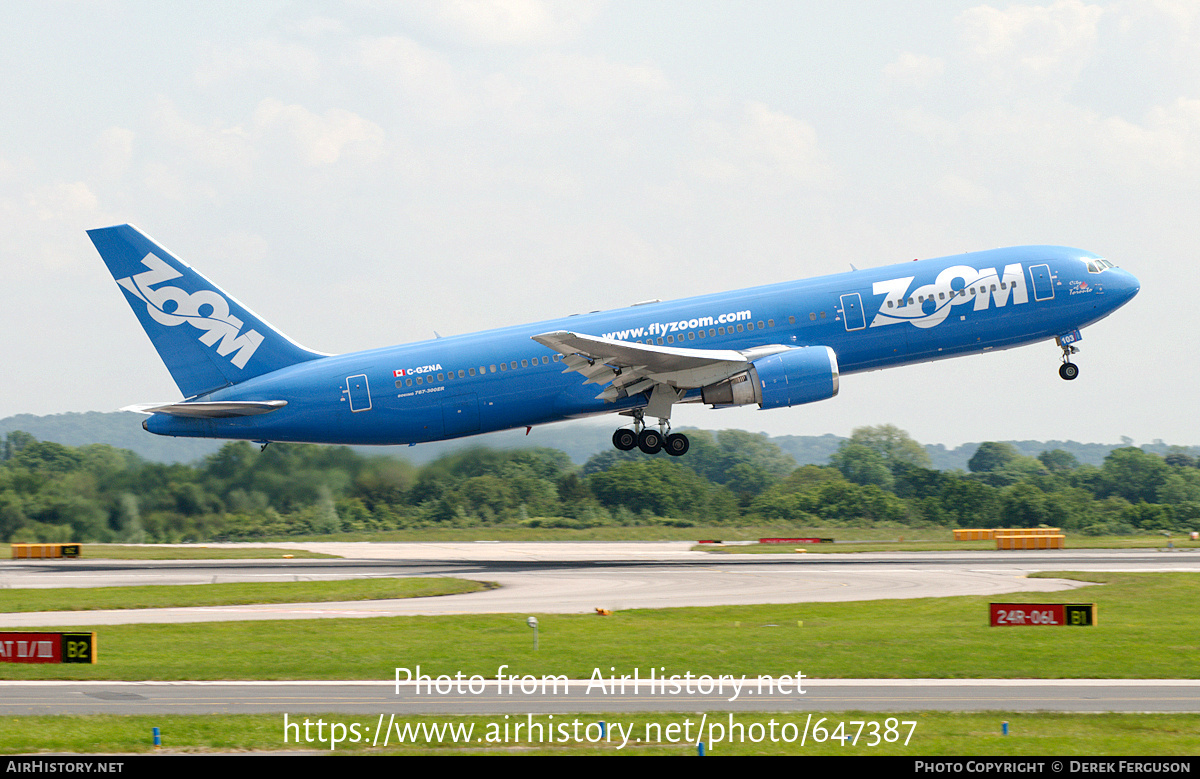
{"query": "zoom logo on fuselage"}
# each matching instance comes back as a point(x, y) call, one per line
point(929, 305)
point(219, 327)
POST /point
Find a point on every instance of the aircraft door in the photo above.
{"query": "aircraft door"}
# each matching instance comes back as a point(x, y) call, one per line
point(1043, 282)
point(852, 312)
point(460, 415)
point(359, 392)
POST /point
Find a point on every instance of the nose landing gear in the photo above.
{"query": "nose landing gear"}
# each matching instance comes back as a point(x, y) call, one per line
point(1068, 370)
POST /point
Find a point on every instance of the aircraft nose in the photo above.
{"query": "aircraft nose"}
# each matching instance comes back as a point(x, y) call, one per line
point(1127, 285)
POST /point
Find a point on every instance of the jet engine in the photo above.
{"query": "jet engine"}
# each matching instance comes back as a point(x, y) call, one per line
point(789, 378)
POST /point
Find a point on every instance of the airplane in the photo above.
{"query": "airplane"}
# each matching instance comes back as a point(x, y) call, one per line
point(772, 346)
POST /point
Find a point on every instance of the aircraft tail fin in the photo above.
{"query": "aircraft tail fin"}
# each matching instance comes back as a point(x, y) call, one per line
point(206, 338)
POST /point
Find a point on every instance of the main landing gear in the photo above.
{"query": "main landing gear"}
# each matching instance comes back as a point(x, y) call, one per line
point(1068, 370)
point(648, 439)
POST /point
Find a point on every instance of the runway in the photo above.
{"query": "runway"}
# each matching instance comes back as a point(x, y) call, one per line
point(575, 578)
point(371, 698)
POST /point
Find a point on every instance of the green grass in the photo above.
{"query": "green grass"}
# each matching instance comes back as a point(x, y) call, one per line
point(1148, 628)
point(153, 552)
point(935, 733)
point(231, 594)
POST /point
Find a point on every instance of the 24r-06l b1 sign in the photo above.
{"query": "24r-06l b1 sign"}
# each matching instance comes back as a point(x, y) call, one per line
point(1021, 614)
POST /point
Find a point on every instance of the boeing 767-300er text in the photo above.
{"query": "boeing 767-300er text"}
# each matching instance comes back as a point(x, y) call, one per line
point(774, 346)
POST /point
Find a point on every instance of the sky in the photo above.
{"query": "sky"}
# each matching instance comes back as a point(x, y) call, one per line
point(366, 173)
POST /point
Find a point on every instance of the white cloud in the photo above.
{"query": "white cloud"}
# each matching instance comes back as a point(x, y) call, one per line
point(963, 190)
point(41, 224)
point(590, 84)
point(263, 56)
point(59, 202)
point(1168, 141)
point(319, 139)
point(227, 148)
point(315, 139)
point(316, 26)
point(762, 145)
point(519, 22)
point(115, 148)
point(427, 82)
point(914, 69)
point(1050, 43)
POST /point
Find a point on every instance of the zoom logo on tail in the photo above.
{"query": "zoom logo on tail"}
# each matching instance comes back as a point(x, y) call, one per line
point(205, 310)
point(206, 338)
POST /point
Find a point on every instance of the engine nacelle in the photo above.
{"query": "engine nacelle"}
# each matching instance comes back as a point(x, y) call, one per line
point(789, 378)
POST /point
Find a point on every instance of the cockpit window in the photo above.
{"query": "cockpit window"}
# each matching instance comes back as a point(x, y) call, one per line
point(1098, 265)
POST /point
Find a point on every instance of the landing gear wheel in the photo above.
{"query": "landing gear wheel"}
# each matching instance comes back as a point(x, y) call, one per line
point(677, 444)
point(1068, 370)
point(650, 441)
point(625, 439)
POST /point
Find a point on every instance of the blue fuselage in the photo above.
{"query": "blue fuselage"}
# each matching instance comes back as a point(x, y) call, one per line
point(499, 379)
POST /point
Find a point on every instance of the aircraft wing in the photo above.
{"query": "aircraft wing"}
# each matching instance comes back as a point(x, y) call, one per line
point(629, 368)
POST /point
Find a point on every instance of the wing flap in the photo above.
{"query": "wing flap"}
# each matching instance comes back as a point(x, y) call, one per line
point(631, 368)
point(623, 354)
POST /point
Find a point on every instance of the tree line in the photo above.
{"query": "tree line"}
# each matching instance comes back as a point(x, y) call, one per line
point(879, 477)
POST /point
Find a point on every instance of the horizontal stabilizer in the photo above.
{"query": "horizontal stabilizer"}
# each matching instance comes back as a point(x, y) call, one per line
point(210, 409)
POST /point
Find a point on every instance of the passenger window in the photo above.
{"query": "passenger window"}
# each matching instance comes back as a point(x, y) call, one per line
point(491, 369)
point(441, 377)
point(701, 333)
point(770, 323)
point(545, 361)
point(503, 366)
point(670, 339)
point(791, 320)
point(461, 373)
point(812, 315)
point(399, 382)
point(524, 363)
point(822, 314)
point(739, 328)
point(691, 336)
point(472, 371)
point(760, 325)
